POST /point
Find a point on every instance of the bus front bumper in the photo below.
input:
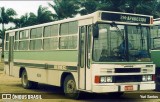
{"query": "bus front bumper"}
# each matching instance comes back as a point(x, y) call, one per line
point(122, 88)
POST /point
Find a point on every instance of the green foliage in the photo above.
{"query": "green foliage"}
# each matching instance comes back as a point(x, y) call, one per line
point(69, 8)
point(88, 7)
point(43, 16)
point(64, 8)
point(7, 15)
point(147, 7)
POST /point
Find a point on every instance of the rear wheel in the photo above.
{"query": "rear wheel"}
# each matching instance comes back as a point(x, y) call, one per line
point(26, 83)
point(70, 88)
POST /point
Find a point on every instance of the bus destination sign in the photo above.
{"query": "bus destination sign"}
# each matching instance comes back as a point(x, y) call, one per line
point(125, 18)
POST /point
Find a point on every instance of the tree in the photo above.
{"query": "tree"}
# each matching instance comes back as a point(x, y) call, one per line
point(26, 20)
point(88, 7)
point(43, 15)
point(29, 19)
point(6, 17)
point(64, 8)
point(147, 7)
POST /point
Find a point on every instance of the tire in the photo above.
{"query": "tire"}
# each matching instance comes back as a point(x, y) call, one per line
point(26, 83)
point(70, 88)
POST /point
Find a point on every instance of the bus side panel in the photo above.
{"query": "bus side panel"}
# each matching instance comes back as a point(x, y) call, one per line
point(58, 56)
point(54, 77)
point(16, 71)
point(37, 74)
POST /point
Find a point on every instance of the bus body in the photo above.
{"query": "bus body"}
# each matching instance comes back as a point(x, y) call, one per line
point(155, 52)
point(101, 52)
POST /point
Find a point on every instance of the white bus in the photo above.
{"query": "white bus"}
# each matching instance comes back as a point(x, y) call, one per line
point(101, 52)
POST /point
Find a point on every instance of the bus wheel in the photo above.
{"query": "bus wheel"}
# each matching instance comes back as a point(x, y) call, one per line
point(69, 87)
point(26, 83)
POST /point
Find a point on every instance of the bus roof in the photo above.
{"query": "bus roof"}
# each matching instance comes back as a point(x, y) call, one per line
point(92, 15)
point(156, 21)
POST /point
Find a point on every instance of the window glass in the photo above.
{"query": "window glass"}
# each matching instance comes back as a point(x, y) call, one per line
point(54, 30)
point(39, 32)
point(23, 45)
point(50, 43)
point(16, 45)
point(6, 46)
point(7, 36)
point(47, 31)
point(64, 29)
point(155, 37)
point(36, 32)
point(73, 27)
point(36, 44)
point(69, 42)
point(51, 31)
point(24, 34)
point(16, 36)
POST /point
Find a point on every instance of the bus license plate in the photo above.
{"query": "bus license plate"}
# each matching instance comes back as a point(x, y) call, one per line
point(128, 88)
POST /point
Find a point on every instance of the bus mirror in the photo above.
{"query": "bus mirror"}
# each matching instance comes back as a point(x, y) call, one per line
point(95, 31)
point(113, 24)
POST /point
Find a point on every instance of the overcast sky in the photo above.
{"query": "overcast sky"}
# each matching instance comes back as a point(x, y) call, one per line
point(22, 7)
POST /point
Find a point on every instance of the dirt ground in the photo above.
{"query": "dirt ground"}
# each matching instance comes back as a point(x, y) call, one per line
point(1, 66)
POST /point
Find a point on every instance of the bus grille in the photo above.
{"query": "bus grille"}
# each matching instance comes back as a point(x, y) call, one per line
point(127, 70)
point(127, 78)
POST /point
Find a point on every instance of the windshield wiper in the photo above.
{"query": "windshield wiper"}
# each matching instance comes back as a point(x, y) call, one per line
point(142, 36)
point(122, 46)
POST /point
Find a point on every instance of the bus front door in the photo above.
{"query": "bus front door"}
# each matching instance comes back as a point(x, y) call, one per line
point(84, 82)
point(10, 59)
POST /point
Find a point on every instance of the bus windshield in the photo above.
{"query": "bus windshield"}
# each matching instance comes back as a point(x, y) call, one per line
point(121, 43)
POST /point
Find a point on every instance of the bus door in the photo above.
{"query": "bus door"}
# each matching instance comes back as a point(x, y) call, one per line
point(84, 72)
point(10, 56)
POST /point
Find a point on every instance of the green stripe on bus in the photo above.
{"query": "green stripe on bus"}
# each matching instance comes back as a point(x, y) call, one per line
point(69, 56)
point(43, 66)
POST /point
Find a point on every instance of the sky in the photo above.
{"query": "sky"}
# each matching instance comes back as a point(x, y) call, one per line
point(22, 7)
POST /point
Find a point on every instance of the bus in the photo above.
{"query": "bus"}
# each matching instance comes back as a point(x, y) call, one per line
point(102, 52)
point(155, 52)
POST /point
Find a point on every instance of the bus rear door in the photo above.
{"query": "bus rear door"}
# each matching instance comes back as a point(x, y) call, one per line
point(10, 56)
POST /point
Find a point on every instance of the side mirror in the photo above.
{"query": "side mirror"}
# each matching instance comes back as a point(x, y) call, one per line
point(95, 31)
point(113, 24)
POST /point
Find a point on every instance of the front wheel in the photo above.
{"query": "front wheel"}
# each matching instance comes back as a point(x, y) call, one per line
point(26, 83)
point(70, 88)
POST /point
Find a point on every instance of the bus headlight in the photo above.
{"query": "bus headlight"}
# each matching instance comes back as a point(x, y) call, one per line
point(106, 79)
point(147, 78)
point(103, 79)
point(109, 79)
point(144, 78)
